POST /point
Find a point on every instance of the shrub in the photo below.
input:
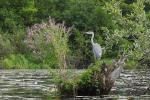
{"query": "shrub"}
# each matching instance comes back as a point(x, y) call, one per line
point(131, 31)
point(17, 61)
point(5, 46)
point(48, 41)
point(91, 82)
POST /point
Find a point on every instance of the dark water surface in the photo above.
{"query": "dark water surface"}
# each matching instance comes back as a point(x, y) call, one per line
point(37, 85)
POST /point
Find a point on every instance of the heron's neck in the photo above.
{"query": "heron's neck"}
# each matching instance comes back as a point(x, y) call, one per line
point(92, 39)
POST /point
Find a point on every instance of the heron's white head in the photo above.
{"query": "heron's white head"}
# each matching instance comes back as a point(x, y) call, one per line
point(90, 32)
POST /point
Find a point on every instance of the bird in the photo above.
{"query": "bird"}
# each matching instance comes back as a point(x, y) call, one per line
point(97, 49)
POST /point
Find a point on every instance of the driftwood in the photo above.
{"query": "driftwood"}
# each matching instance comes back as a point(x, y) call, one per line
point(110, 73)
point(118, 67)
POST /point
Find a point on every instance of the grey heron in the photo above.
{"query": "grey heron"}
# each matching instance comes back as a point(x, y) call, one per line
point(97, 50)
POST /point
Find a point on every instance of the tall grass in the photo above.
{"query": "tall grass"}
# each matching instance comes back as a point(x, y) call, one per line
point(49, 39)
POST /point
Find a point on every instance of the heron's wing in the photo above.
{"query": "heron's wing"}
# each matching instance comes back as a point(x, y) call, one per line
point(97, 50)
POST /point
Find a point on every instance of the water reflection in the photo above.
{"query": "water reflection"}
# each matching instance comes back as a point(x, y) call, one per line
point(37, 85)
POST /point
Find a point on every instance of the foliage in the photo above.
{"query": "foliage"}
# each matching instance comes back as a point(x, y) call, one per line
point(85, 15)
point(90, 82)
point(72, 82)
point(18, 61)
point(49, 40)
point(131, 64)
point(131, 31)
point(5, 46)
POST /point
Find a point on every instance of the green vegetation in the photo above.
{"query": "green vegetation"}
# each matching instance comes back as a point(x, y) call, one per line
point(79, 84)
point(119, 26)
point(48, 41)
point(91, 82)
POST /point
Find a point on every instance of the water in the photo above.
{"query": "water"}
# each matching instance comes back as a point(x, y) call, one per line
point(37, 85)
point(25, 84)
point(132, 84)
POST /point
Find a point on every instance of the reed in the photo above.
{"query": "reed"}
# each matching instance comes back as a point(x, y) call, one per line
point(40, 36)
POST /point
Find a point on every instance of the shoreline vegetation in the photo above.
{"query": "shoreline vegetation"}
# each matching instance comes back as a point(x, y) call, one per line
point(119, 26)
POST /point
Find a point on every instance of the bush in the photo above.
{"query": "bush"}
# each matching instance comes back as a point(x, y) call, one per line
point(132, 33)
point(91, 82)
point(48, 41)
point(17, 61)
point(5, 46)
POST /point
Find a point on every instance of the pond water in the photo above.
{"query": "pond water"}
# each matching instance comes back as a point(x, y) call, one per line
point(37, 85)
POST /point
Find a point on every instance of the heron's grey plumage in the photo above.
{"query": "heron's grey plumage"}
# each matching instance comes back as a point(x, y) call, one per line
point(97, 50)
